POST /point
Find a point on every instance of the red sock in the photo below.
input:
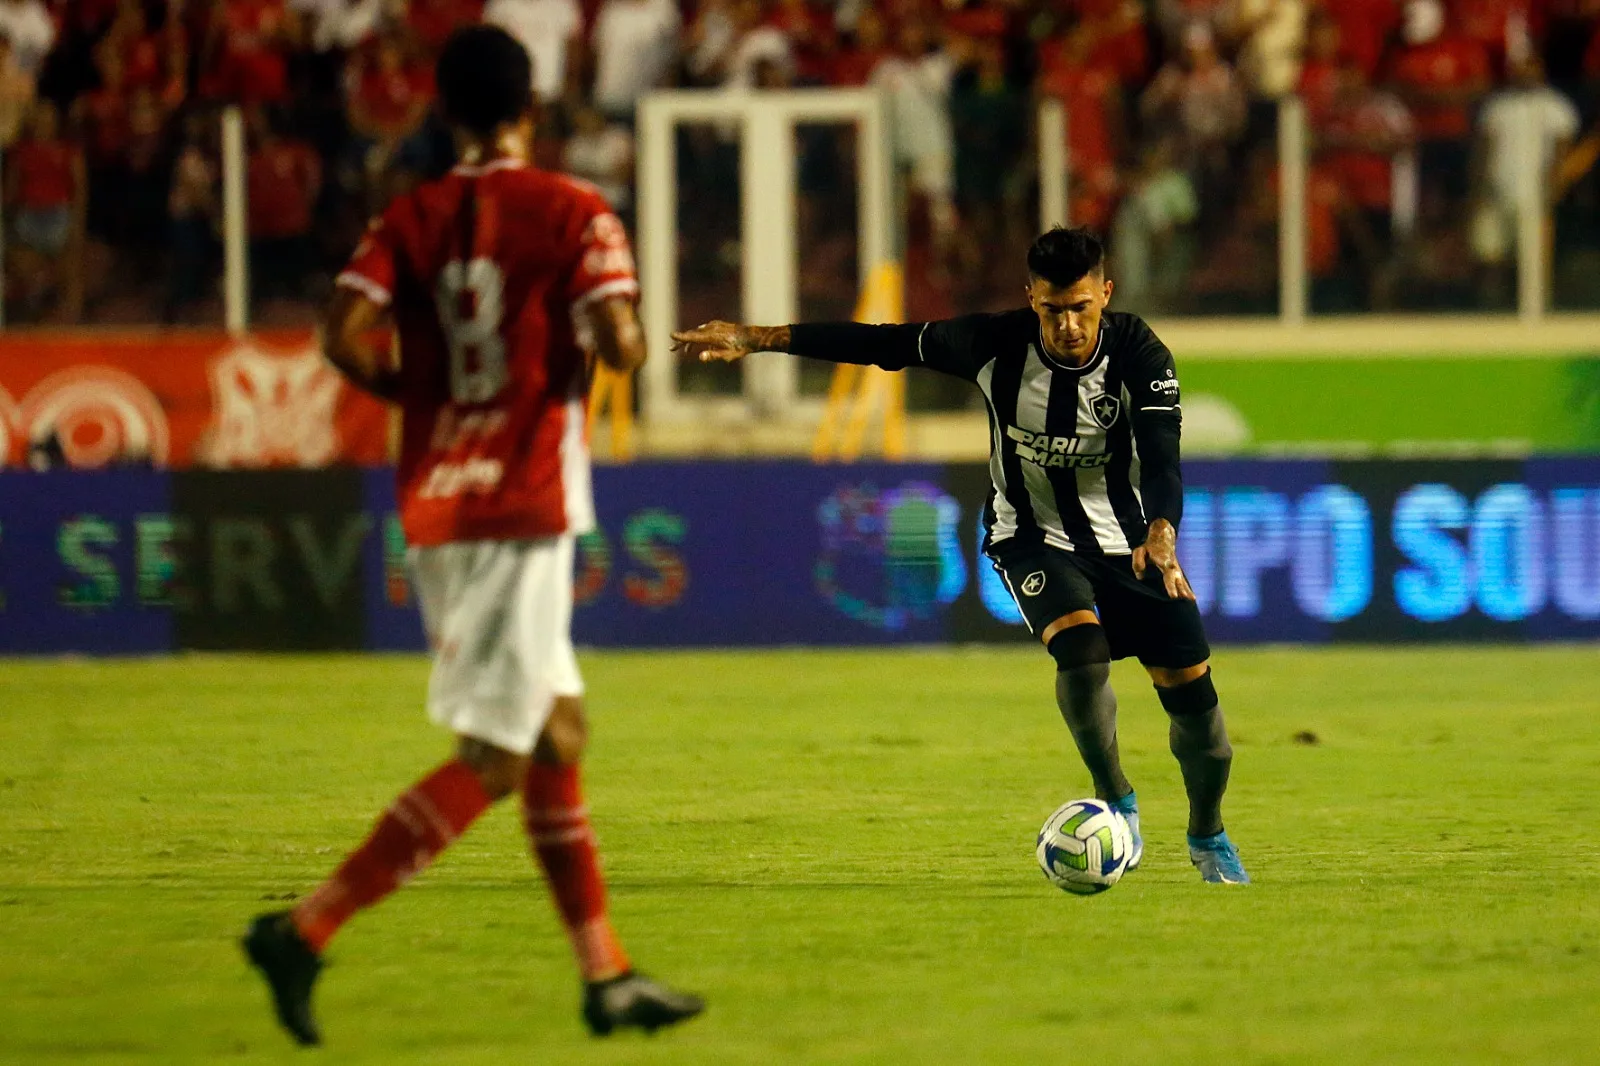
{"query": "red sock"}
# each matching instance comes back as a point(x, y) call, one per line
point(558, 825)
point(421, 824)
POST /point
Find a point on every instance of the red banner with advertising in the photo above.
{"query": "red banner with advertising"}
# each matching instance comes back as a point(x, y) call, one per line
point(181, 399)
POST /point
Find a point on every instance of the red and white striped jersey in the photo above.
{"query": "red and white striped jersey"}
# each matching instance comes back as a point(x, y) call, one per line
point(486, 270)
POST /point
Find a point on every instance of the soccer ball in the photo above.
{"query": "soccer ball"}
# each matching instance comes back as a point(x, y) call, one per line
point(1084, 847)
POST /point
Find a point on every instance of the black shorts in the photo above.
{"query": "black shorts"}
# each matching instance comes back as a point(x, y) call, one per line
point(1138, 616)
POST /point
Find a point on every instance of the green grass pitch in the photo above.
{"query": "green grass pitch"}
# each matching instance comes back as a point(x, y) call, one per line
point(837, 849)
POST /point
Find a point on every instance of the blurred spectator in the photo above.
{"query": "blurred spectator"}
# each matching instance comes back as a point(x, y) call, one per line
point(755, 45)
point(336, 27)
point(916, 76)
point(1570, 28)
point(387, 98)
point(192, 215)
point(1320, 72)
point(1591, 69)
point(45, 193)
point(709, 41)
point(283, 179)
point(1526, 113)
point(432, 21)
point(1437, 270)
point(989, 122)
point(102, 117)
point(1365, 29)
point(855, 61)
point(1502, 27)
point(1175, 18)
point(1150, 236)
point(975, 22)
point(1440, 75)
point(1363, 143)
point(1240, 272)
point(811, 35)
point(1198, 101)
point(151, 59)
point(144, 163)
point(1328, 226)
point(1121, 40)
point(246, 54)
point(28, 26)
point(635, 46)
point(16, 94)
point(1074, 71)
point(602, 153)
point(551, 31)
point(1271, 36)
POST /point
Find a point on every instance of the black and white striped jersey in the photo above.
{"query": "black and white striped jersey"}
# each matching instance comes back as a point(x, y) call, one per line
point(1082, 458)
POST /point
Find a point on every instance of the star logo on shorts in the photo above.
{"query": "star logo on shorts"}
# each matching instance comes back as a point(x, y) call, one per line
point(1033, 584)
point(1105, 409)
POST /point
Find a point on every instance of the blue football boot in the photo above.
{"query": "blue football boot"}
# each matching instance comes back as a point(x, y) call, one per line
point(1128, 807)
point(1217, 860)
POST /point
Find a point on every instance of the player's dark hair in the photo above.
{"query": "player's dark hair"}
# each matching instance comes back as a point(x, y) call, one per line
point(1061, 256)
point(485, 79)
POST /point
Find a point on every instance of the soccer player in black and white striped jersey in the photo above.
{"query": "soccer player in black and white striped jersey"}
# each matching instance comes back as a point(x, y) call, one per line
point(1082, 521)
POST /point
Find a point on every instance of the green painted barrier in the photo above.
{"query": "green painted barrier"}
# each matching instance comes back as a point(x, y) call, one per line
point(1411, 404)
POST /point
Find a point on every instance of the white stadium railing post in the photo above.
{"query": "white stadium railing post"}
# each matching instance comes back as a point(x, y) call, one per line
point(1293, 156)
point(878, 239)
point(1054, 164)
point(1532, 294)
point(235, 238)
point(769, 249)
point(657, 183)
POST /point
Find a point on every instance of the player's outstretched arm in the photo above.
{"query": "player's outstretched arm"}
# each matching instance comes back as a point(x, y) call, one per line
point(349, 342)
point(729, 341)
point(618, 337)
point(949, 347)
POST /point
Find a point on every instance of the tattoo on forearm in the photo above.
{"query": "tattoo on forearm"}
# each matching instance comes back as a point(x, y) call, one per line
point(767, 338)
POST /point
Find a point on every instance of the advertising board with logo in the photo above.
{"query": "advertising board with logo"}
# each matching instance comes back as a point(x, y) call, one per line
point(181, 400)
point(767, 553)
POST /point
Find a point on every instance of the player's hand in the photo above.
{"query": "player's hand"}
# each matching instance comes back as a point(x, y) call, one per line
point(725, 341)
point(1160, 549)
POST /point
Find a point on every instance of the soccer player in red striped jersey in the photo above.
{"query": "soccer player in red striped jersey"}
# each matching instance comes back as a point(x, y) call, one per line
point(500, 280)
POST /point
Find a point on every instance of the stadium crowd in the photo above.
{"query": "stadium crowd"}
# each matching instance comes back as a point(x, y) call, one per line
point(108, 113)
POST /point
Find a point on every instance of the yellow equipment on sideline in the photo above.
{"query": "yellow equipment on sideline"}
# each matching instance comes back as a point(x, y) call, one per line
point(613, 389)
point(856, 390)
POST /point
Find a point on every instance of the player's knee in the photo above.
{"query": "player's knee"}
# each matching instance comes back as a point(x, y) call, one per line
point(1194, 697)
point(496, 769)
point(565, 735)
point(1082, 648)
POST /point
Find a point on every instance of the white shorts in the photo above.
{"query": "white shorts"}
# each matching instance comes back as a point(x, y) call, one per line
point(499, 619)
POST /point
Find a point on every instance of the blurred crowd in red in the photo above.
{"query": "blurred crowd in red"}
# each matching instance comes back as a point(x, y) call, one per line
point(1418, 110)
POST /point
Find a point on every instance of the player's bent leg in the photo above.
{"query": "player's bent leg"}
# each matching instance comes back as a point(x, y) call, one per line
point(563, 842)
point(1083, 692)
point(1199, 741)
point(566, 733)
point(499, 771)
point(286, 946)
point(1088, 705)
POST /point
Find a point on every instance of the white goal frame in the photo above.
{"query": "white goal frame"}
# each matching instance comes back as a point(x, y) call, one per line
point(766, 121)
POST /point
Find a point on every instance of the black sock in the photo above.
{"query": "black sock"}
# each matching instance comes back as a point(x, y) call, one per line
point(1199, 740)
point(1090, 708)
point(1200, 743)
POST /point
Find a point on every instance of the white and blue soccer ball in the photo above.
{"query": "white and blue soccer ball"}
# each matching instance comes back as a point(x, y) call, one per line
point(1084, 847)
